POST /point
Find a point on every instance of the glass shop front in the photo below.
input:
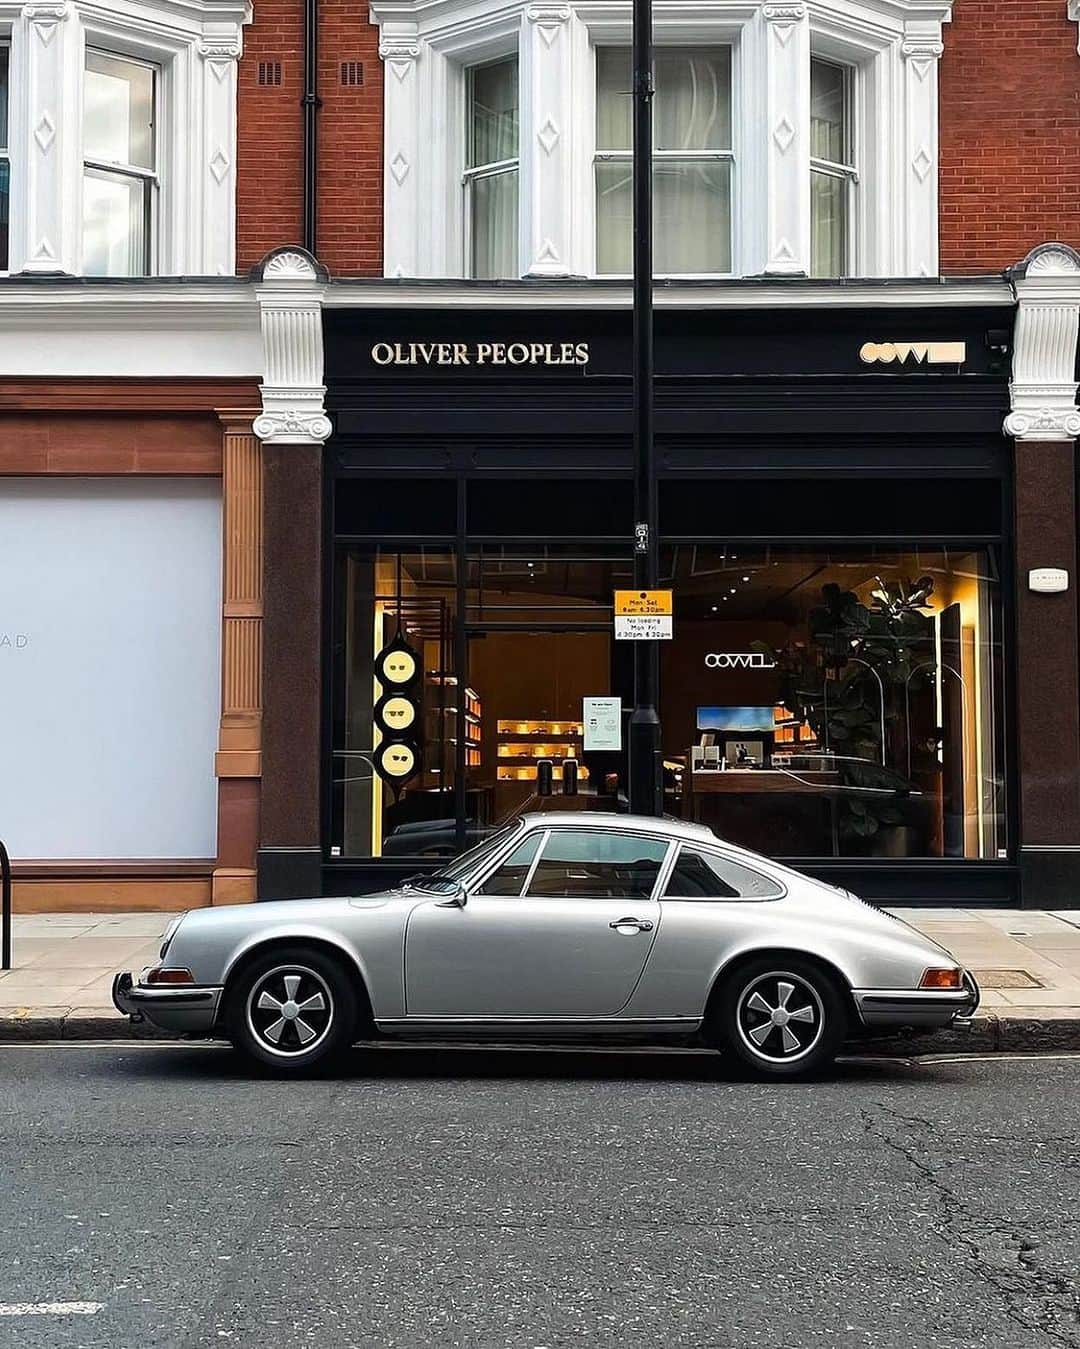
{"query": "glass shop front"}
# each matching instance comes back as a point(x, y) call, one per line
point(836, 702)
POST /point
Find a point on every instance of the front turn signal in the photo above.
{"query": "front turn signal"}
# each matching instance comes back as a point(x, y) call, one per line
point(935, 978)
point(166, 976)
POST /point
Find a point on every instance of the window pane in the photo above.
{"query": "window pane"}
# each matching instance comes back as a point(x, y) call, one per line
point(493, 113)
point(3, 96)
point(691, 216)
point(5, 174)
point(118, 111)
point(700, 875)
point(601, 865)
point(828, 224)
point(828, 123)
point(115, 209)
point(693, 99)
point(614, 100)
point(510, 877)
point(495, 225)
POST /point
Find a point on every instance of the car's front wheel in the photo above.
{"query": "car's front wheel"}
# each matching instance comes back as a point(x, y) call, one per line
point(782, 1016)
point(292, 1009)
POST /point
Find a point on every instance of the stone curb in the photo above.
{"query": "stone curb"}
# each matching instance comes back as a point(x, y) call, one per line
point(987, 1034)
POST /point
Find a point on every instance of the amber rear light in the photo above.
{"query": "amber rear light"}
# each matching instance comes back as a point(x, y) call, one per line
point(165, 976)
point(934, 978)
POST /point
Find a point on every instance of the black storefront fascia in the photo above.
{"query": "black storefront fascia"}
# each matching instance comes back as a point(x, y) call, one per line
point(771, 428)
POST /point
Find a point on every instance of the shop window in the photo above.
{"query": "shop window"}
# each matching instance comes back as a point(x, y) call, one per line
point(5, 162)
point(838, 703)
point(692, 160)
point(832, 168)
point(491, 169)
point(119, 168)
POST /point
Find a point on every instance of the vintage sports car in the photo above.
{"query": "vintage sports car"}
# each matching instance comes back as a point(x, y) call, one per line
point(559, 927)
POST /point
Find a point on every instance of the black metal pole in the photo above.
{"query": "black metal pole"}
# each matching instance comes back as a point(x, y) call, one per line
point(5, 908)
point(646, 796)
point(311, 104)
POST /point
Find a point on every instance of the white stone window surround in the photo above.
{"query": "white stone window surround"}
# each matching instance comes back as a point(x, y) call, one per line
point(195, 45)
point(892, 47)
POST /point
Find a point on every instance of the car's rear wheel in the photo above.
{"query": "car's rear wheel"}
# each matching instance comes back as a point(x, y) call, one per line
point(781, 1016)
point(292, 1009)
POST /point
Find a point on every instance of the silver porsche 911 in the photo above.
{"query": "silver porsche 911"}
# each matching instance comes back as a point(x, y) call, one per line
point(559, 927)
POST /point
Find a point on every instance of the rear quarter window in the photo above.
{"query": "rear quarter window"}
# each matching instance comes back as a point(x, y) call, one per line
point(699, 874)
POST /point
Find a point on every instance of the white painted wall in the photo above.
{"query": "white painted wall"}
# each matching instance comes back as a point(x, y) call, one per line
point(110, 674)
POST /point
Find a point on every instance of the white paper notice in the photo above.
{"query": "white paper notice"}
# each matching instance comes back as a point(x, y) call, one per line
point(602, 718)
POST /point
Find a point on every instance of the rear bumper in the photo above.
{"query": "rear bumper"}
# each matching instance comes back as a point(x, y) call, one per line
point(918, 1007)
point(188, 1011)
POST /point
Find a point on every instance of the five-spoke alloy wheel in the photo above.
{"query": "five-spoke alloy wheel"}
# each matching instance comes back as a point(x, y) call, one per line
point(292, 1008)
point(782, 1016)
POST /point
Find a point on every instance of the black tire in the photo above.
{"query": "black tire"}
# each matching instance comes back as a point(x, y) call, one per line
point(808, 1034)
point(316, 1014)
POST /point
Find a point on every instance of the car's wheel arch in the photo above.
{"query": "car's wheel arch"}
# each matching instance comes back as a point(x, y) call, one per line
point(255, 951)
point(751, 955)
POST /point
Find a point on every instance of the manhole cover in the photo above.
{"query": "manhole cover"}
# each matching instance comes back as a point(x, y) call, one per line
point(1006, 979)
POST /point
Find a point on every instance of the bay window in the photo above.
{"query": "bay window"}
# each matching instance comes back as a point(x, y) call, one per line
point(692, 160)
point(119, 178)
point(491, 172)
point(5, 163)
point(832, 170)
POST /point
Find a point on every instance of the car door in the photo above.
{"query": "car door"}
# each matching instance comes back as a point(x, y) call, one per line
point(561, 930)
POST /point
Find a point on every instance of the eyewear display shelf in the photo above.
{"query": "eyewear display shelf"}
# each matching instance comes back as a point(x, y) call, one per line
point(523, 743)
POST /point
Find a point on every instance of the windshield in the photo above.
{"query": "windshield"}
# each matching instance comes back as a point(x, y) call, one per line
point(462, 865)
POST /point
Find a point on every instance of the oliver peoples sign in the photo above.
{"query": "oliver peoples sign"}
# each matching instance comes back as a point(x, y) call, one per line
point(480, 353)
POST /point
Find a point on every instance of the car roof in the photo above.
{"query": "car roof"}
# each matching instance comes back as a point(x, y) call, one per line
point(602, 819)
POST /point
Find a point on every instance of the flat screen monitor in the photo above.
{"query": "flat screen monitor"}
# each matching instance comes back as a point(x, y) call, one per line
point(740, 720)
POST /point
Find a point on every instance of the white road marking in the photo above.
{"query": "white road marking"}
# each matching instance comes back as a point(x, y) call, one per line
point(50, 1308)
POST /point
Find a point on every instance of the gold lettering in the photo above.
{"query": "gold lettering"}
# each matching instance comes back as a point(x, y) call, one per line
point(382, 353)
point(461, 354)
point(498, 353)
point(483, 353)
point(517, 353)
point(540, 353)
point(444, 357)
point(582, 353)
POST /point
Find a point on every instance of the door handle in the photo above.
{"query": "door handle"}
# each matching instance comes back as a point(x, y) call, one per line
point(642, 924)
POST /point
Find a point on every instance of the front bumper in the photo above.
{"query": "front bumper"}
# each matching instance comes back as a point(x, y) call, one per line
point(186, 1010)
point(918, 1007)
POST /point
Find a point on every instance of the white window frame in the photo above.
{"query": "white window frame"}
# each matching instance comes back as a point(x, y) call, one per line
point(729, 156)
point(848, 172)
point(892, 47)
point(494, 169)
point(5, 150)
point(195, 47)
point(151, 177)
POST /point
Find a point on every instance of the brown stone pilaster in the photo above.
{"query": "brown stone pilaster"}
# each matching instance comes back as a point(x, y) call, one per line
point(238, 762)
point(290, 846)
point(1048, 677)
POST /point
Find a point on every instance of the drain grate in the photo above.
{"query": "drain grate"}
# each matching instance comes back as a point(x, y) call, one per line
point(1006, 979)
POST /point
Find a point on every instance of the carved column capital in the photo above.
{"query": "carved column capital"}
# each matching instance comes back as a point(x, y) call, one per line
point(1043, 386)
point(290, 289)
point(783, 13)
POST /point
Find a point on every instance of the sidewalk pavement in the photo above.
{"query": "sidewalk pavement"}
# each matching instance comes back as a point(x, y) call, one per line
point(1027, 963)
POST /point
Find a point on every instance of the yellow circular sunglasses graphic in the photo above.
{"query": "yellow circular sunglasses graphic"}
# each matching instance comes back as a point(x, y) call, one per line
point(395, 761)
point(396, 713)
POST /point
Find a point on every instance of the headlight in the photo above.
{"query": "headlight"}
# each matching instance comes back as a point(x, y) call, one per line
point(170, 933)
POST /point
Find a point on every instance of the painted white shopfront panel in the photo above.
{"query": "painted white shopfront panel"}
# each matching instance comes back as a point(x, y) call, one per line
point(110, 619)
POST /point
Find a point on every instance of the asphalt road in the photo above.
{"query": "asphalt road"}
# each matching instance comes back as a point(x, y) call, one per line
point(532, 1198)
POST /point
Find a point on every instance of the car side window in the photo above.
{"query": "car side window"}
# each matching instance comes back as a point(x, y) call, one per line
point(509, 877)
point(597, 864)
point(705, 875)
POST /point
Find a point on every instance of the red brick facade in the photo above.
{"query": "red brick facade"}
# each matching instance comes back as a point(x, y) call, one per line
point(270, 137)
point(1009, 147)
point(1010, 132)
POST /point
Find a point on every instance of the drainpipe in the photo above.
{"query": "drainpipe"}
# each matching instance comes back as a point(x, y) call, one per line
point(311, 103)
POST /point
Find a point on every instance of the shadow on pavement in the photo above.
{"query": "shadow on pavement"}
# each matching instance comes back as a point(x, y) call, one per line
point(453, 1063)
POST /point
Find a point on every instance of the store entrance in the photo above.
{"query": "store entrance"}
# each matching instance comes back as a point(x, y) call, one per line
point(526, 745)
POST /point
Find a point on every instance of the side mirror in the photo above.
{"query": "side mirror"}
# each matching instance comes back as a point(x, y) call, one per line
point(457, 900)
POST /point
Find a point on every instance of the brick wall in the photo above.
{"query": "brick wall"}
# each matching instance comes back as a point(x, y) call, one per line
point(270, 137)
point(1010, 132)
point(1010, 135)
